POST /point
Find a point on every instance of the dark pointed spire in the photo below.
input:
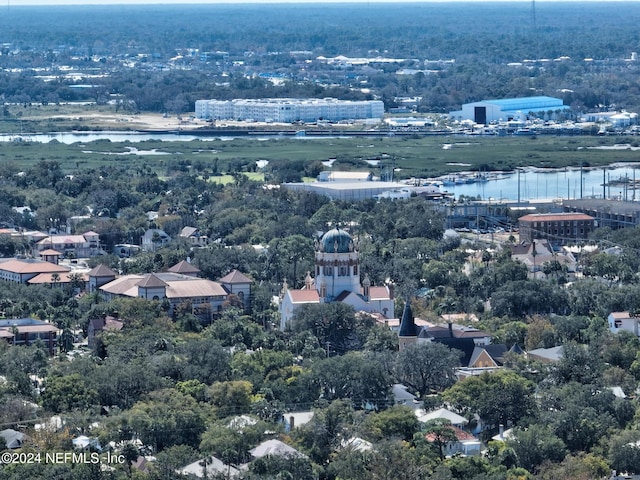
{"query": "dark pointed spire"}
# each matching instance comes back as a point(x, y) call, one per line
point(407, 324)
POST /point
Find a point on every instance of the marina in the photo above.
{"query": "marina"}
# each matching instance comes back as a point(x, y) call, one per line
point(616, 181)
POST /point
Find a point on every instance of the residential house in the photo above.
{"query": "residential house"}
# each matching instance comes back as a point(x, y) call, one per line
point(465, 443)
point(356, 444)
point(12, 438)
point(83, 442)
point(536, 255)
point(546, 355)
point(488, 356)
point(205, 467)
point(503, 435)
point(26, 331)
point(624, 321)
point(402, 397)
point(442, 414)
point(126, 250)
point(71, 246)
point(462, 338)
point(195, 237)
point(153, 239)
point(274, 447)
point(293, 420)
point(98, 325)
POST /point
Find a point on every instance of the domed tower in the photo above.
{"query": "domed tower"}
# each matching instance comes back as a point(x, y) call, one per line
point(337, 265)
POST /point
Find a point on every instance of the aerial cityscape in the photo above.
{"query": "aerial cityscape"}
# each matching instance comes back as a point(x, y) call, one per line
point(320, 241)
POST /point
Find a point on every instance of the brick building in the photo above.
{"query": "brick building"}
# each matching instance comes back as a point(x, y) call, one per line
point(558, 228)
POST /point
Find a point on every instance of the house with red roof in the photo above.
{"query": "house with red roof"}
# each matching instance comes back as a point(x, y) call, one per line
point(464, 444)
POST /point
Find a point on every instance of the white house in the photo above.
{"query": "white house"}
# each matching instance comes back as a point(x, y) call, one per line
point(195, 237)
point(626, 321)
point(153, 239)
point(85, 245)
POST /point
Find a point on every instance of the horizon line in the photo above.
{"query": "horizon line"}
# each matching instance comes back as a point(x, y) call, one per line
point(45, 3)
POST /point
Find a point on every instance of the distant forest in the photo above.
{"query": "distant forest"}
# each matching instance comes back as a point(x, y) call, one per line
point(485, 40)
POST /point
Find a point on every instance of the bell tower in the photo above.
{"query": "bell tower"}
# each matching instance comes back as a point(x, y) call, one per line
point(337, 265)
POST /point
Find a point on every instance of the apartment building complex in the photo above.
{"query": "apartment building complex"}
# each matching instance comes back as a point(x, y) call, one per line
point(288, 110)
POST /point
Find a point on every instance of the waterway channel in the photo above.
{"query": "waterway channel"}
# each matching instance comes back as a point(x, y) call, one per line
point(614, 181)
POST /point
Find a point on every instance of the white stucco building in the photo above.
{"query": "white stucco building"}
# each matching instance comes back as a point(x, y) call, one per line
point(624, 321)
point(288, 110)
point(337, 279)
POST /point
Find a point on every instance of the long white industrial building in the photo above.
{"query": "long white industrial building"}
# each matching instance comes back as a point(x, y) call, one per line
point(287, 110)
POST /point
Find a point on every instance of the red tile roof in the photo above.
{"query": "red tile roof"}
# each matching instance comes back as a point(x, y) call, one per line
point(554, 217)
point(304, 296)
point(235, 277)
point(378, 293)
point(31, 266)
point(184, 267)
point(461, 435)
point(102, 271)
point(46, 278)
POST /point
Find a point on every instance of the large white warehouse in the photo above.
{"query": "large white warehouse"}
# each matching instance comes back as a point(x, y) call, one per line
point(508, 109)
point(287, 110)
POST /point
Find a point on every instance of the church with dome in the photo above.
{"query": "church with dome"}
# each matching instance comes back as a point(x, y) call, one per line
point(336, 279)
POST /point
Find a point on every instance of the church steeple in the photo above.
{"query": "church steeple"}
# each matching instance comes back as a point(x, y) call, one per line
point(408, 334)
point(366, 287)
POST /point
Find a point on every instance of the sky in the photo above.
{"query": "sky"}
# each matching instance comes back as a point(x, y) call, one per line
point(129, 2)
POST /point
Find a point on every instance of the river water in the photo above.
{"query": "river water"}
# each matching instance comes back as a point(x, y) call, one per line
point(75, 137)
point(536, 184)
